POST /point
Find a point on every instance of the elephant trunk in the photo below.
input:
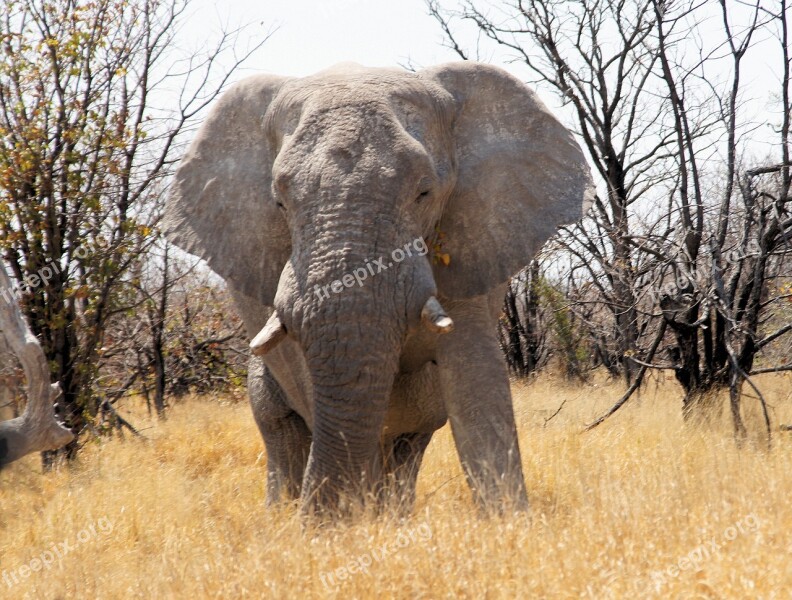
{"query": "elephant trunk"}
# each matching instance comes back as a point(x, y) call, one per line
point(363, 300)
point(350, 302)
point(352, 340)
point(350, 399)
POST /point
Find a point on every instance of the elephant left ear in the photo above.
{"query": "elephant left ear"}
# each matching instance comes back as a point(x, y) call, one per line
point(520, 176)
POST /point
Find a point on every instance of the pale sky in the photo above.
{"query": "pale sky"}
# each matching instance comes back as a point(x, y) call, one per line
point(310, 35)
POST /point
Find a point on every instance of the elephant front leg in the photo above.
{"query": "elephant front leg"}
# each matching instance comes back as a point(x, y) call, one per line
point(478, 400)
point(288, 442)
point(287, 438)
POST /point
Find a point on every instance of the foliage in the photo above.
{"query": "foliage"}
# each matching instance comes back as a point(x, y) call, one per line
point(184, 338)
point(84, 155)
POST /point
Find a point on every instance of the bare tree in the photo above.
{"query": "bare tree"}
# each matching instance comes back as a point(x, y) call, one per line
point(607, 84)
point(521, 334)
point(183, 337)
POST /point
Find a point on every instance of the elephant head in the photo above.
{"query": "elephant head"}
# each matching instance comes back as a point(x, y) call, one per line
point(292, 185)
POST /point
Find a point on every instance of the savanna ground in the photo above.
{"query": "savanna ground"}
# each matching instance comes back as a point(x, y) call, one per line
point(642, 507)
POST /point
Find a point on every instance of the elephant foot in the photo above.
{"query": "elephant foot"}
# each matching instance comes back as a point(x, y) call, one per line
point(497, 491)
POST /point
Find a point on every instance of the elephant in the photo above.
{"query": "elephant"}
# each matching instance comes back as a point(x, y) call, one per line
point(439, 185)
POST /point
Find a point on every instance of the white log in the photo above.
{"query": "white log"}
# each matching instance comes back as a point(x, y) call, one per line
point(36, 430)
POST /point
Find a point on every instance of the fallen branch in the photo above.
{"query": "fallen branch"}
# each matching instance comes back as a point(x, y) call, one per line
point(122, 422)
point(555, 414)
point(638, 379)
point(778, 369)
point(37, 429)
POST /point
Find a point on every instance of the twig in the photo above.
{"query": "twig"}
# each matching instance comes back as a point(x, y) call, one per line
point(778, 369)
point(638, 380)
point(442, 485)
point(555, 414)
point(121, 420)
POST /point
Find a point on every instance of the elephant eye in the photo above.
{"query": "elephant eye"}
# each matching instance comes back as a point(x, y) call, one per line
point(280, 205)
point(422, 196)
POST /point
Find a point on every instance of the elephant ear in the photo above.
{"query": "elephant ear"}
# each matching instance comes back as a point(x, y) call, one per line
point(220, 206)
point(521, 175)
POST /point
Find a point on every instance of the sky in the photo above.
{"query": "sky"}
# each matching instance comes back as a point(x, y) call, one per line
point(310, 35)
point(307, 36)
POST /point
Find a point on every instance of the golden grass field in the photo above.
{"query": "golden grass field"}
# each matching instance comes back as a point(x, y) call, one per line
point(642, 507)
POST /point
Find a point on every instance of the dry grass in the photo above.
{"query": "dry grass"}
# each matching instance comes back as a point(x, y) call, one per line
point(626, 511)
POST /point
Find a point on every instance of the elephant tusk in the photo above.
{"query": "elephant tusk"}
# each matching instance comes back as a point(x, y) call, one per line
point(270, 336)
point(435, 318)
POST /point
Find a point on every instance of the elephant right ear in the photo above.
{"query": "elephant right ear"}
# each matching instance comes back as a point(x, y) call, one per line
point(520, 175)
point(221, 207)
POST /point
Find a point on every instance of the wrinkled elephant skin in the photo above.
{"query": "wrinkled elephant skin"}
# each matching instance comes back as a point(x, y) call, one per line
point(366, 221)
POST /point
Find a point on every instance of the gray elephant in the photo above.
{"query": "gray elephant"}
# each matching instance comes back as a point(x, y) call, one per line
point(313, 199)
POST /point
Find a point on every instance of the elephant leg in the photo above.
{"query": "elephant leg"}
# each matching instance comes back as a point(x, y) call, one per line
point(286, 436)
point(478, 401)
point(402, 461)
point(288, 441)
